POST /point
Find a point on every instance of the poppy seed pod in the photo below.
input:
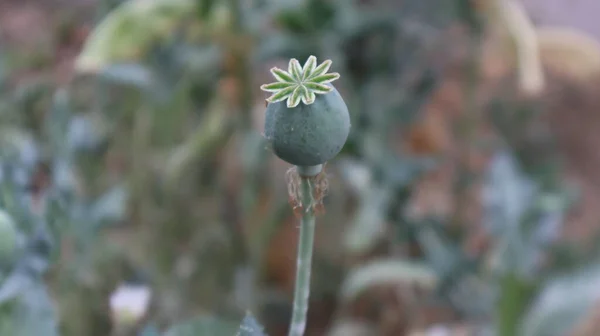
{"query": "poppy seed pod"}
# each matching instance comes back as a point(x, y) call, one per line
point(307, 121)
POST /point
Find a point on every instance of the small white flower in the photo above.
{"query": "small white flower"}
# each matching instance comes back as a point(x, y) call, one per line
point(129, 303)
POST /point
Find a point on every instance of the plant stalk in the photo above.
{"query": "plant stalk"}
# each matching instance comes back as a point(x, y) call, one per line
point(304, 260)
point(516, 294)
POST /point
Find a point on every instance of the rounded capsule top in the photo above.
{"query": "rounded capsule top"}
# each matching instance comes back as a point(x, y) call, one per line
point(307, 121)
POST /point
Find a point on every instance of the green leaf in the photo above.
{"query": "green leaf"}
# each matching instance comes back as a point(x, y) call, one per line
point(326, 78)
point(35, 313)
point(110, 207)
point(31, 309)
point(129, 74)
point(387, 271)
point(562, 303)
point(309, 67)
point(515, 296)
point(9, 236)
point(129, 31)
point(281, 95)
point(318, 88)
point(295, 69)
point(14, 286)
point(282, 75)
point(321, 69)
point(274, 87)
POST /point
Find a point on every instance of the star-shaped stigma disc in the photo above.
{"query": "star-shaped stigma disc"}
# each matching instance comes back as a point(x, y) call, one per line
point(300, 83)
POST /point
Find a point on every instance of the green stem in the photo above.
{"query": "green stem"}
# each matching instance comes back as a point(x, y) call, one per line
point(514, 300)
point(304, 260)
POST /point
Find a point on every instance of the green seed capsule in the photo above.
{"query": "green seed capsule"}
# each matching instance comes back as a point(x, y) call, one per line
point(308, 135)
point(8, 237)
point(307, 121)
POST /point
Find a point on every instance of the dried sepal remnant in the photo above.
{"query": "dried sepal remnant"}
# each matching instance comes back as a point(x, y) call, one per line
point(300, 83)
point(320, 186)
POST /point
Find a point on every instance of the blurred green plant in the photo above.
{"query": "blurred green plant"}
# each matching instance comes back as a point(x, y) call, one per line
point(123, 175)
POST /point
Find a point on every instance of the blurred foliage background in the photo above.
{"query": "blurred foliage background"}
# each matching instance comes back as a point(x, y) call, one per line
point(138, 197)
